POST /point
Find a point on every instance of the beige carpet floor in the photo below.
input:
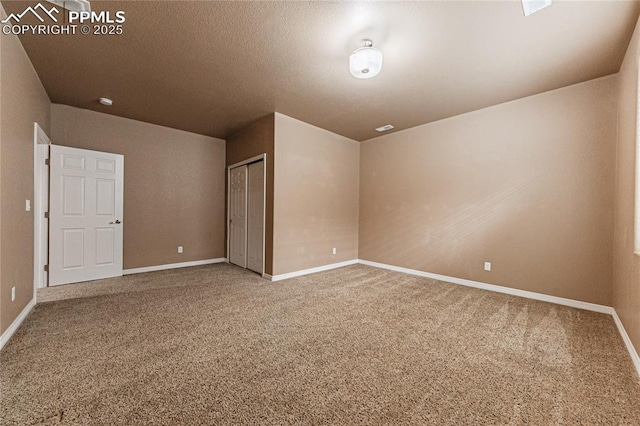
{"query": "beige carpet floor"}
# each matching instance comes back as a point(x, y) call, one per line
point(357, 345)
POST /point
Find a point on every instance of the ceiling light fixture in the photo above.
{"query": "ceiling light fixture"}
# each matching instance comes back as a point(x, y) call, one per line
point(106, 101)
point(365, 62)
point(533, 6)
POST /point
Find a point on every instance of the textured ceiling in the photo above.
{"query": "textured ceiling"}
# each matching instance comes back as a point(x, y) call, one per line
point(213, 67)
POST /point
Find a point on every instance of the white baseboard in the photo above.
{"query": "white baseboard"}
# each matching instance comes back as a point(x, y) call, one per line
point(526, 294)
point(627, 342)
point(267, 276)
point(16, 323)
point(311, 270)
point(497, 288)
point(172, 266)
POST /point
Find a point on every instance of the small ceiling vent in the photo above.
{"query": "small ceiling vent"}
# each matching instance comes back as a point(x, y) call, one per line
point(73, 5)
point(384, 128)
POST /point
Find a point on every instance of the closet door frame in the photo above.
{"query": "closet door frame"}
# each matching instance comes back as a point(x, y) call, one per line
point(248, 161)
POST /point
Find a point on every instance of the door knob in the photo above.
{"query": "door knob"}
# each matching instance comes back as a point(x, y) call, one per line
point(117, 222)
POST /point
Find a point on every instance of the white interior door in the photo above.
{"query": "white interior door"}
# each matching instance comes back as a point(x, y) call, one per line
point(255, 215)
point(86, 206)
point(238, 216)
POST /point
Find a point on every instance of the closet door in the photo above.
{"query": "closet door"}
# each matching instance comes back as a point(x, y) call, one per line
point(238, 216)
point(255, 214)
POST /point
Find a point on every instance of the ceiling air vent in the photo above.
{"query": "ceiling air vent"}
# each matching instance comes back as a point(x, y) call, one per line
point(384, 128)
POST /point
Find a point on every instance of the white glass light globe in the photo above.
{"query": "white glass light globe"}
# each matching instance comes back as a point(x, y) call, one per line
point(365, 62)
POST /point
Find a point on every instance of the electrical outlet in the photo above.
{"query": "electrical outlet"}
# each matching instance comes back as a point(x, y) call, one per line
point(27, 206)
point(13, 294)
point(487, 266)
point(180, 249)
point(335, 250)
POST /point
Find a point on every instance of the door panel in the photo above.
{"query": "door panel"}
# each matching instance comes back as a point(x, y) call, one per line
point(105, 238)
point(106, 197)
point(238, 216)
point(73, 195)
point(255, 217)
point(86, 207)
point(72, 248)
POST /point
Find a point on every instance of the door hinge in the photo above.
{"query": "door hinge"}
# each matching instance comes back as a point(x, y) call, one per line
point(46, 215)
point(46, 268)
point(46, 161)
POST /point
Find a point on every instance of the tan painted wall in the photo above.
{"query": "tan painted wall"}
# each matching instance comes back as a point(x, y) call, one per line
point(527, 185)
point(22, 101)
point(253, 140)
point(173, 184)
point(316, 196)
point(626, 283)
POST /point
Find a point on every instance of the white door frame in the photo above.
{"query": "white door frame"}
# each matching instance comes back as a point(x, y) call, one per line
point(41, 144)
point(264, 203)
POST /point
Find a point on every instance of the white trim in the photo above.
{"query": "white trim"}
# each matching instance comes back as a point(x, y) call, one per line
point(497, 288)
point(16, 323)
point(40, 203)
point(636, 187)
point(172, 266)
point(264, 213)
point(267, 276)
point(627, 342)
point(311, 270)
point(248, 161)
